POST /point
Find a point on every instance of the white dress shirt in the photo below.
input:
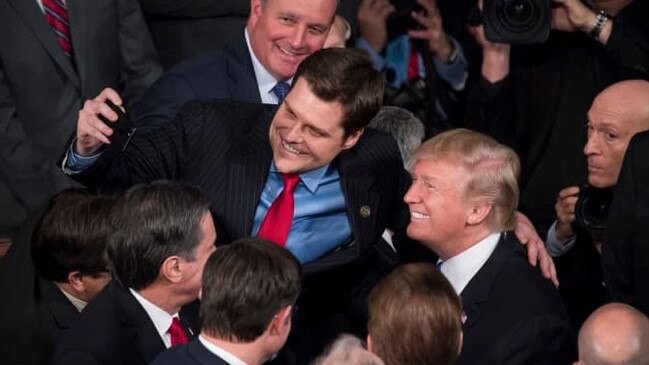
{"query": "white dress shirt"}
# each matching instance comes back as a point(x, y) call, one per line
point(265, 81)
point(460, 269)
point(160, 318)
point(223, 354)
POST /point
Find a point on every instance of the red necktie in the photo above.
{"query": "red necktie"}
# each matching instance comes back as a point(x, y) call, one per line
point(177, 333)
point(413, 63)
point(278, 219)
point(57, 15)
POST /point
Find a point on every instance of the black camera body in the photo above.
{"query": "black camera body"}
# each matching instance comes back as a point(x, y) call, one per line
point(401, 20)
point(591, 209)
point(517, 21)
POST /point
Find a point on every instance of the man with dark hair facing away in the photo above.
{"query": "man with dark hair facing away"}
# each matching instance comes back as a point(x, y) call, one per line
point(68, 268)
point(248, 295)
point(163, 234)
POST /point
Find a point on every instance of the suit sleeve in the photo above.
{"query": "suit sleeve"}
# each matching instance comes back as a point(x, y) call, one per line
point(629, 41)
point(24, 165)
point(140, 64)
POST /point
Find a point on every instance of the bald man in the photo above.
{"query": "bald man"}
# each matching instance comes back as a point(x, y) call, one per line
point(615, 116)
point(615, 334)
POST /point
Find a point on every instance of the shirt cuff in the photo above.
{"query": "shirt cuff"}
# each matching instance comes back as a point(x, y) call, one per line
point(552, 244)
point(455, 72)
point(74, 163)
point(377, 60)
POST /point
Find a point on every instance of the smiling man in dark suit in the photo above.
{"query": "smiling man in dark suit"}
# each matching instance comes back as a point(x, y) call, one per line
point(351, 179)
point(163, 235)
point(462, 203)
point(43, 86)
point(245, 314)
point(279, 34)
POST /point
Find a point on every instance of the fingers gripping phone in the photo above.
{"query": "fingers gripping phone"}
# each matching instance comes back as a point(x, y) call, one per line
point(123, 128)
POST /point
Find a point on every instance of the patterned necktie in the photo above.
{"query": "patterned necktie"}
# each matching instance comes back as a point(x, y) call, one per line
point(57, 15)
point(280, 90)
point(277, 222)
point(177, 333)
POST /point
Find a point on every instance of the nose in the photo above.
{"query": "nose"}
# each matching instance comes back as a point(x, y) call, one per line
point(296, 40)
point(592, 144)
point(411, 196)
point(293, 134)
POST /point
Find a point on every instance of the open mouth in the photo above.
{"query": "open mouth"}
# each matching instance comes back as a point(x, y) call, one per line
point(287, 146)
point(418, 215)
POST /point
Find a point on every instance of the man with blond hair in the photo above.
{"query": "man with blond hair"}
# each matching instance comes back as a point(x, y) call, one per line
point(462, 203)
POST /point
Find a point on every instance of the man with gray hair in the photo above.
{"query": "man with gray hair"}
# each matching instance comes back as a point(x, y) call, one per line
point(615, 334)
point(462, 203)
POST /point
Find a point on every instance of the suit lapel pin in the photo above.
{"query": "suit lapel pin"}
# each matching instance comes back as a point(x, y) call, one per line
point(365, 211)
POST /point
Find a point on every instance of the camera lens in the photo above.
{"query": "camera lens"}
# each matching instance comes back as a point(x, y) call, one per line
point(518, 15)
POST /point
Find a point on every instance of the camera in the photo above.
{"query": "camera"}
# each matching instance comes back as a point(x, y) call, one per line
point(401, 21)
point(517, 21)
point(591, 209)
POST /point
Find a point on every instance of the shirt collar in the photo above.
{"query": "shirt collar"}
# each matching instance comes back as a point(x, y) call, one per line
point(223, 354)
point(160, 318)
point(314, 178)
point(265, 81)
point(460, 269)
point(76, 302)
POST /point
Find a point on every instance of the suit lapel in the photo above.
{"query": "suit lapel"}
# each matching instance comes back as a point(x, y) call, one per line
point(247, 173)
point(243, 84)
point(57, 304)
point(362, 203)
point(132, 315)
point(35, 20)
point(478, 289)
point(78, 15)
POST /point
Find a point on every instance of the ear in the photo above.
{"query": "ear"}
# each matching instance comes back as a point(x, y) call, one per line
point(280, 321)
point(171, 270)
point(478, 212)
point(200, 293)
point(255, 12)
point(352, 139)
point(75, 279)
point(370, 343)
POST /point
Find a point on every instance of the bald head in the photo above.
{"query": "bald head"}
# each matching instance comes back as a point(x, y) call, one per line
point(615, 334)
point(616, 115)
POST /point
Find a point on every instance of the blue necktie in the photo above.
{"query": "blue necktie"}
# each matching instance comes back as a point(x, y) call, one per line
point(280, 90)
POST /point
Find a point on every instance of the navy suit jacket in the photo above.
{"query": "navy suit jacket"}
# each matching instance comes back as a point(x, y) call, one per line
point(192, 353)
point(114, 329)
point(226, 73)
point(513, 314)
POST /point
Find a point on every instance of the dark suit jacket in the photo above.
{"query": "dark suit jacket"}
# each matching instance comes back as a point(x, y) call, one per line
point(226, 73)
point(114, 329)
point(224, 149)
point(513, 314)
point(625, 251)
point(181, 29)
point(41, 91)
point(34, 314)
point(192, 353)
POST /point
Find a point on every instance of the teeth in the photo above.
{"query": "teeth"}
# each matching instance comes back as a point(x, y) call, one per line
point(284, 50)
point(290, 148)
point(417, 215)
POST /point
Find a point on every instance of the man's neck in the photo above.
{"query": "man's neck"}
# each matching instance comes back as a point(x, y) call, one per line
point(248, 352)
point(161, 298)
point(470, 238)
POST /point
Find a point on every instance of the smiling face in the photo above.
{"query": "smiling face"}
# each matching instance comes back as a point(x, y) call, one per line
point(284, 32)
point(306, 132)
point(438, 211)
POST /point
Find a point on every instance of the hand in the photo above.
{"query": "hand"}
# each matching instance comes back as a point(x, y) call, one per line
point(572, 15)
point(495, 56)
point(372, 18)
point(565, 208)
point(433, 33)
point(92, 132)
point(536, 252)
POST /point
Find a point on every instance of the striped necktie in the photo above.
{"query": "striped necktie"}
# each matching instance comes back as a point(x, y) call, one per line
point(57, 15)
point(280, 90)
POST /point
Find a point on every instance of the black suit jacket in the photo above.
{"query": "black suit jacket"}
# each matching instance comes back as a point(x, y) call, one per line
point(226, 73)
point(34, 314)
point(513, 314)
point(625, 251)
point(114, 329)
point(191, 353)
point(224, 149)
point(41, 91)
